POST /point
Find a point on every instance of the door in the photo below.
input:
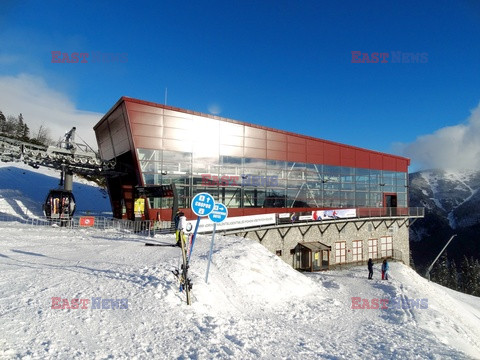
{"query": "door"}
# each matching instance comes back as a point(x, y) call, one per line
point(390, 202)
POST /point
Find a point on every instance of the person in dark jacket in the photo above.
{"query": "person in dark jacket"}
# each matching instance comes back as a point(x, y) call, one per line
point(370, 269)
point(385, 268)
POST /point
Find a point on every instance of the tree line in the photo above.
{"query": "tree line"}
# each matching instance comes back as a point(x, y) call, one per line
point(15, 127)
point(464, 278)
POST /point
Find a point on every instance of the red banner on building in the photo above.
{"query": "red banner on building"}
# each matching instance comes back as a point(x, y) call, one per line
point(87, 221)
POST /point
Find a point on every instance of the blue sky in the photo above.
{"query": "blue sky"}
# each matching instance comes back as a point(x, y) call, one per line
point(284, 64)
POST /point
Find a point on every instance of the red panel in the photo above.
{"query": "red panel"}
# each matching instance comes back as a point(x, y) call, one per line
point(347, 156)
point(314, 147)
point(314, 158)
point(147, 142)
point(255, 153)
point(331, 154)
point(276, 145)
point(145, 118)
point(255, 133)
point(177, 122)
point(148, 130)
point(276, 136)
point(133, 106)
point(389, 163)
point(296, 139)
point(299, 148)
point(402, 165)
point(276, 155)
point(299, 157)
point(362, 159)
point(255, 143)
point(375, 161)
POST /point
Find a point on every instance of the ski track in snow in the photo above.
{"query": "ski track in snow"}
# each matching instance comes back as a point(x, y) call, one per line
point(254, 306)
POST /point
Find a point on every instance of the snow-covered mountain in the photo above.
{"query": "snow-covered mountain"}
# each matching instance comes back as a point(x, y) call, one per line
point(452, 206)
point(453, 195)
point(254, 305)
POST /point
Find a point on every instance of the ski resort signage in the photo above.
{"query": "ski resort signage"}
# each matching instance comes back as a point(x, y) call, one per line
point(237, 222)
point(219, 213)
point(334, 214)
point(202, 204)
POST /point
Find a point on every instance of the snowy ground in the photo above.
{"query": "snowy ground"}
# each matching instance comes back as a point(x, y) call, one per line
point(254, 306)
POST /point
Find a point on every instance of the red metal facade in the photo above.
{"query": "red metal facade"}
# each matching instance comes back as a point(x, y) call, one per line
point(133, 123)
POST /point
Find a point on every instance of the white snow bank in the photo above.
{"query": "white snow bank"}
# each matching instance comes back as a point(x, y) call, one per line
point(254, 305)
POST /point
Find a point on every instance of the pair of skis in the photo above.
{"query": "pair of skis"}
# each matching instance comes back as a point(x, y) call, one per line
point(182, 275)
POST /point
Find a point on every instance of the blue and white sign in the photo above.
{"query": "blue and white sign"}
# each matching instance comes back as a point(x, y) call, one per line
point(219, 213)
point(202, 204)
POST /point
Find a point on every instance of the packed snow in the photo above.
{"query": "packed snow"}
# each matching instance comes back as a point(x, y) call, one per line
point(254, 305)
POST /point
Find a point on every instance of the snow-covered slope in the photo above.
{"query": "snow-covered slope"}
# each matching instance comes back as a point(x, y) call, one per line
point(254, 306)
point(23, 190)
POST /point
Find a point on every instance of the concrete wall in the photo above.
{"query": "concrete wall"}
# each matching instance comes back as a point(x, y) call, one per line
point(285, 239)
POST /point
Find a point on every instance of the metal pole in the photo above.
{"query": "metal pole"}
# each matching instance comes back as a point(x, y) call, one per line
point(211, 252)
point(427, 274)
point(193, 238)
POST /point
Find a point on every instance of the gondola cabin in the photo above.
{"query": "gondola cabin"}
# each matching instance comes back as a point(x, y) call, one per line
point(59, 204)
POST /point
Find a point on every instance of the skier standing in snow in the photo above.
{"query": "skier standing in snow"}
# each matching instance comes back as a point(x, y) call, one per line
point(370, 269)
point(385, 268)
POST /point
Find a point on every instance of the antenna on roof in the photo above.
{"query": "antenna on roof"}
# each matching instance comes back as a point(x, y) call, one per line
point(166, 96)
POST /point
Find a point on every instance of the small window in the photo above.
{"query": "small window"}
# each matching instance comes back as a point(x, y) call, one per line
point(292, 251)
point(278, 252)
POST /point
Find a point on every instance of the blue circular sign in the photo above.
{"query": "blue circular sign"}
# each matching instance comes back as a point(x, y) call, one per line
point(219, 213)
point(202, 204)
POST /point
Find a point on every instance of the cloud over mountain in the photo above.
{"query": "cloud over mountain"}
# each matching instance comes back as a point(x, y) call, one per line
point(451, 147)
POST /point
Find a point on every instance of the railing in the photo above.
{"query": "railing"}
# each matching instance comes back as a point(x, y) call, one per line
point(391, 212)
point(145, 227)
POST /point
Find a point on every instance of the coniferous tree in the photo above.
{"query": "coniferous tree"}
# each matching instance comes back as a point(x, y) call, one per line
point(452, 275)
point(476, 278)
point(412, 264)
point(26, 132)
point(468, 275)
point(11, 125)
point(19, 126)
point(3, 122)
point(441, 273)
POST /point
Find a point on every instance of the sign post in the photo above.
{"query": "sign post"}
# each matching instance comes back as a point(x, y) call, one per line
point(219, 213)
point(202, 205)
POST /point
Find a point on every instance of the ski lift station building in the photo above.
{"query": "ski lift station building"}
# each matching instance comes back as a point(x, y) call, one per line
point(343, 203)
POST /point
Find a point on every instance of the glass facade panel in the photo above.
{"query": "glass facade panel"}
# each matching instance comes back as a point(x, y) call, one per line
point(250, 182)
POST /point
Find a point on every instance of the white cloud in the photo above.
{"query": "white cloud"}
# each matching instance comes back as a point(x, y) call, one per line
point(42, 105)
point(452, 147)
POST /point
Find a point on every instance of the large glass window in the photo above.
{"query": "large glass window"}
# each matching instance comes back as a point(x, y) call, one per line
point(252, 182)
